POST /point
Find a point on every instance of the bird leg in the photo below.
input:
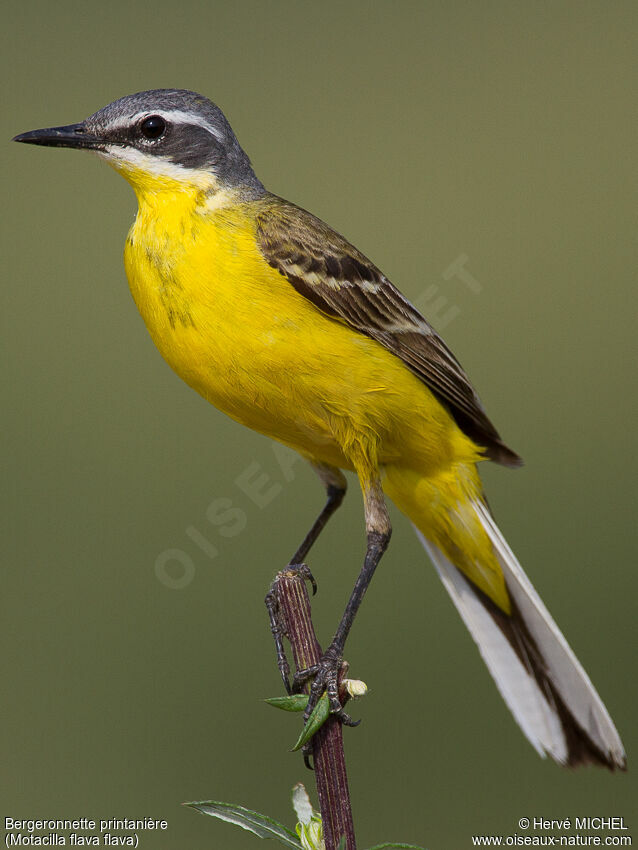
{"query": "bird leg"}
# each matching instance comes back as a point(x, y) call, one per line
point(325, 674)
point(335, 483)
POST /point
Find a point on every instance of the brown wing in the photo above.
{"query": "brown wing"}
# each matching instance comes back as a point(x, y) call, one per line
point(341, 282)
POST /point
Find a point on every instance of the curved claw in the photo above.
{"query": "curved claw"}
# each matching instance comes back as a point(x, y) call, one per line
point(303, 570)
point(307, 755)
point(346, 719)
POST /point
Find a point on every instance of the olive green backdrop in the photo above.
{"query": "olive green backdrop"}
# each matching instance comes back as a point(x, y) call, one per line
point(136, 646)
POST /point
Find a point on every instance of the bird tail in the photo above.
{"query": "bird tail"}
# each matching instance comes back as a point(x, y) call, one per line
point(539, 677)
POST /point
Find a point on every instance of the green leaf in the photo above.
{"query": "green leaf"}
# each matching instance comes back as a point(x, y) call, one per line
point(260, 825)
point(342, 843)
point(293, 702)
point(320, 714)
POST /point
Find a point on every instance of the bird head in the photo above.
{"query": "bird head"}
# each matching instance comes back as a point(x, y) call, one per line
point(161, 139)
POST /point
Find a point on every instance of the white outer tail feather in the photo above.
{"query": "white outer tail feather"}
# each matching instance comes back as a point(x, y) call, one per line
point(536, 715)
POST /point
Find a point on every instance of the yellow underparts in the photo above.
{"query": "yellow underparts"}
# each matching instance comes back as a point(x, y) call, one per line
point(237, 332)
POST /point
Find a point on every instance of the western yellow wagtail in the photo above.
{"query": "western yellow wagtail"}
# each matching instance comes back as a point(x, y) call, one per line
point(283, 325)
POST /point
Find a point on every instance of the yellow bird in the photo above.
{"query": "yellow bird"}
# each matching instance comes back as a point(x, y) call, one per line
point(286, 327)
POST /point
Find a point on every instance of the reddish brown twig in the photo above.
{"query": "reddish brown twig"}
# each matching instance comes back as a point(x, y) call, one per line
point(291, 596)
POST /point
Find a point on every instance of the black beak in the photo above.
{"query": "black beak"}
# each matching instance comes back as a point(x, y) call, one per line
point(71, 136)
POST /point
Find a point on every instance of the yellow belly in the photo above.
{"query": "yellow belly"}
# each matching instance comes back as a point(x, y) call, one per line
point(237, 332)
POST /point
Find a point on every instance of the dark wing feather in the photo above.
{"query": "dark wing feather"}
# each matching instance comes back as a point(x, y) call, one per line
point(341, 282)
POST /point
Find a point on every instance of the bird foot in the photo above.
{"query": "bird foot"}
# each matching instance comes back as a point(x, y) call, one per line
point(325, 677)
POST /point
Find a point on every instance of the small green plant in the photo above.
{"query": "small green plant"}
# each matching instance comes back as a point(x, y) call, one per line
point(308, 834)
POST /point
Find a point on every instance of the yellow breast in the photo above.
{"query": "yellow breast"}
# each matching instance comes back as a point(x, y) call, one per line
point(237, 332)
point(220, 316)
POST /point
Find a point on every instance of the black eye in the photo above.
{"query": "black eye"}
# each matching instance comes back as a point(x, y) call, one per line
point(153, 127)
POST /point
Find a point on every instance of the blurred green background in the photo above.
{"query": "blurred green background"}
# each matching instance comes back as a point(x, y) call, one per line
point(423, 131)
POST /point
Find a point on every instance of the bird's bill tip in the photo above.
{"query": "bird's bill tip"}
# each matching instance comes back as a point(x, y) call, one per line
point(69, 136)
